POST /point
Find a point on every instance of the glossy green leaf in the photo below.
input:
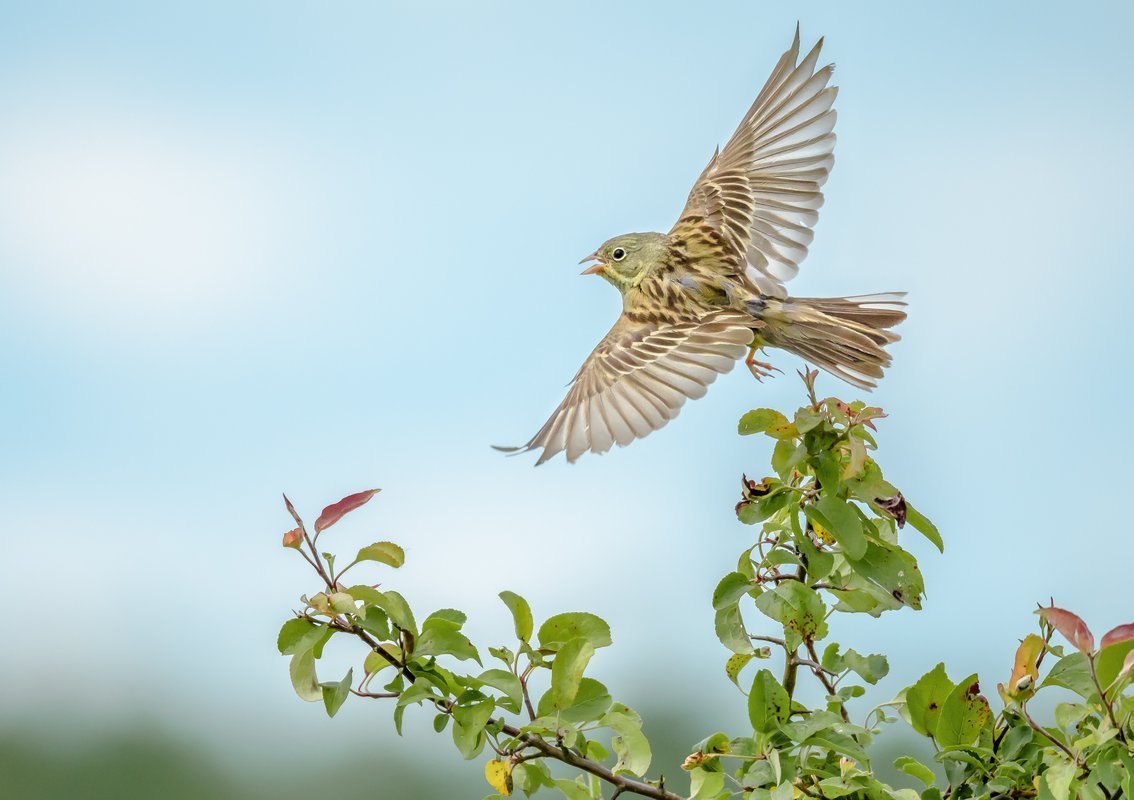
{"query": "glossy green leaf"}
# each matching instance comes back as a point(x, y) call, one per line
point(629, 743)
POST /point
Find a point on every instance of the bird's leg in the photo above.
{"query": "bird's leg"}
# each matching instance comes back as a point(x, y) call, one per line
point(759, 369)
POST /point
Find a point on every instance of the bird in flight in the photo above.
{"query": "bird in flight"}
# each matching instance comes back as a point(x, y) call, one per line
point(711, 291)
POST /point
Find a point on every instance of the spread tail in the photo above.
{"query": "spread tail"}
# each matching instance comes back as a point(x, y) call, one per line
point(843, 335)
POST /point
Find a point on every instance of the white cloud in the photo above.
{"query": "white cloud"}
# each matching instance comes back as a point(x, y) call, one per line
point(140, 223)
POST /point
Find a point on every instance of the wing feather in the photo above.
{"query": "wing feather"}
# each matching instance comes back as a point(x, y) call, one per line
point(638, 379)
point(762, 192)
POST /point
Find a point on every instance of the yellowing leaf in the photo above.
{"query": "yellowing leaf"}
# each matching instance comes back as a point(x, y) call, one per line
point(1022, 683)
point(499, 776)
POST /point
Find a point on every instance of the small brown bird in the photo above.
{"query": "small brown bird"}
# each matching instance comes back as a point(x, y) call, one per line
point(699, 298)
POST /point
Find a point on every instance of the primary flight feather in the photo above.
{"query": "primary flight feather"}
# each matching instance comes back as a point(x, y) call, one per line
point(711, 291)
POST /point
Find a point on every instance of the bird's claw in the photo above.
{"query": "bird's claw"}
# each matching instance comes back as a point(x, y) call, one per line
point(760, 369)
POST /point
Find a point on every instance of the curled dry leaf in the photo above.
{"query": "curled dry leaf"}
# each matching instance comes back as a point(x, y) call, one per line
point(336, 511)
point(1071, 626)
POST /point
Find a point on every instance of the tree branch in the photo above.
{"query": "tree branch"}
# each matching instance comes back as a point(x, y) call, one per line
point(620, 782)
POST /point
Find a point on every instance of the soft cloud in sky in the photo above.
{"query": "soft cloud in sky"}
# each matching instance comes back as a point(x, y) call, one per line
point(135, 223)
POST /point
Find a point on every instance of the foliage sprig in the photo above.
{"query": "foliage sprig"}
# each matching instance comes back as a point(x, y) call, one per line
point(828, 540)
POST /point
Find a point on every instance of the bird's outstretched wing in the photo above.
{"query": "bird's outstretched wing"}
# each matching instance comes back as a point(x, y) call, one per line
point(638, 378)
point(762, 191)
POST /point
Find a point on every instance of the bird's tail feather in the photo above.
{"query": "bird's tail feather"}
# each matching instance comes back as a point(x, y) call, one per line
point(843, 335)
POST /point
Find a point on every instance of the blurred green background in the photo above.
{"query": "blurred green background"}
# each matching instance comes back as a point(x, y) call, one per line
point(252, 247)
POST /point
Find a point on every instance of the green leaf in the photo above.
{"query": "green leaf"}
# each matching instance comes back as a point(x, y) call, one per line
point(375, 622)
point(468, 725)
point(729, 626)
point(303, 678)
point(964, 714)
point(398, 610)
point(797, 607)
point(1071, 672)
point(567, 670)
point(1109, 661)
point(300, 635)
point(761, 420)
point(562, 628)
point(629, 743)
point(768, 703)
point(870, 668)
point(838, 518)
point(1058, 778)
point(572, 790)
point(911, 766)
point(893, 569)
point(923, 526)
point(335, 694)
point(591, 702)
point(787, 455)
point(383, 553)
point(762, 508)
point(521, 614)
point(731, 588)
point(925, 698)
point(705, 785)
point(440, 636)
point(504, 681)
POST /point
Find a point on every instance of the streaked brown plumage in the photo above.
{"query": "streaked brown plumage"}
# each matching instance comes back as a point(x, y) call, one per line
point(697, 299)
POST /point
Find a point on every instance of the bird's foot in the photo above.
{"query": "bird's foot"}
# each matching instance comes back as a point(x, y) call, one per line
point(759, 369)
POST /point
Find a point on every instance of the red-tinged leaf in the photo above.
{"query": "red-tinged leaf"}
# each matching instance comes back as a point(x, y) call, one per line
point(1071, 626)
point(293, 538)
point(336, 511)
point(1120, 634)
point(291, 510)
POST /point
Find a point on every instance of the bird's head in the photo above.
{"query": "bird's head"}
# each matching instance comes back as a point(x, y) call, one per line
point(625, 260)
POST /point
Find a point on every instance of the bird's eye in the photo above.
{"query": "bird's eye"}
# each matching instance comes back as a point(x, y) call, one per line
point(618, 254)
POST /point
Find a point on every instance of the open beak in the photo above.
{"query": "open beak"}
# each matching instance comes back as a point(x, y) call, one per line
point(594, 269)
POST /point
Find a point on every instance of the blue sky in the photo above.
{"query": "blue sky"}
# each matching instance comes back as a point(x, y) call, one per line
point(247, 248)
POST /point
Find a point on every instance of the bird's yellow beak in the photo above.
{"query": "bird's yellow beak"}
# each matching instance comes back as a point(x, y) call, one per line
point(596, 268)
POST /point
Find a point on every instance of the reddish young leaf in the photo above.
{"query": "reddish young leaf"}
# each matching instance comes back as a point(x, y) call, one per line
point(336, 511)
point(293, 538)
point(1071, 626)
point(1120, 634)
